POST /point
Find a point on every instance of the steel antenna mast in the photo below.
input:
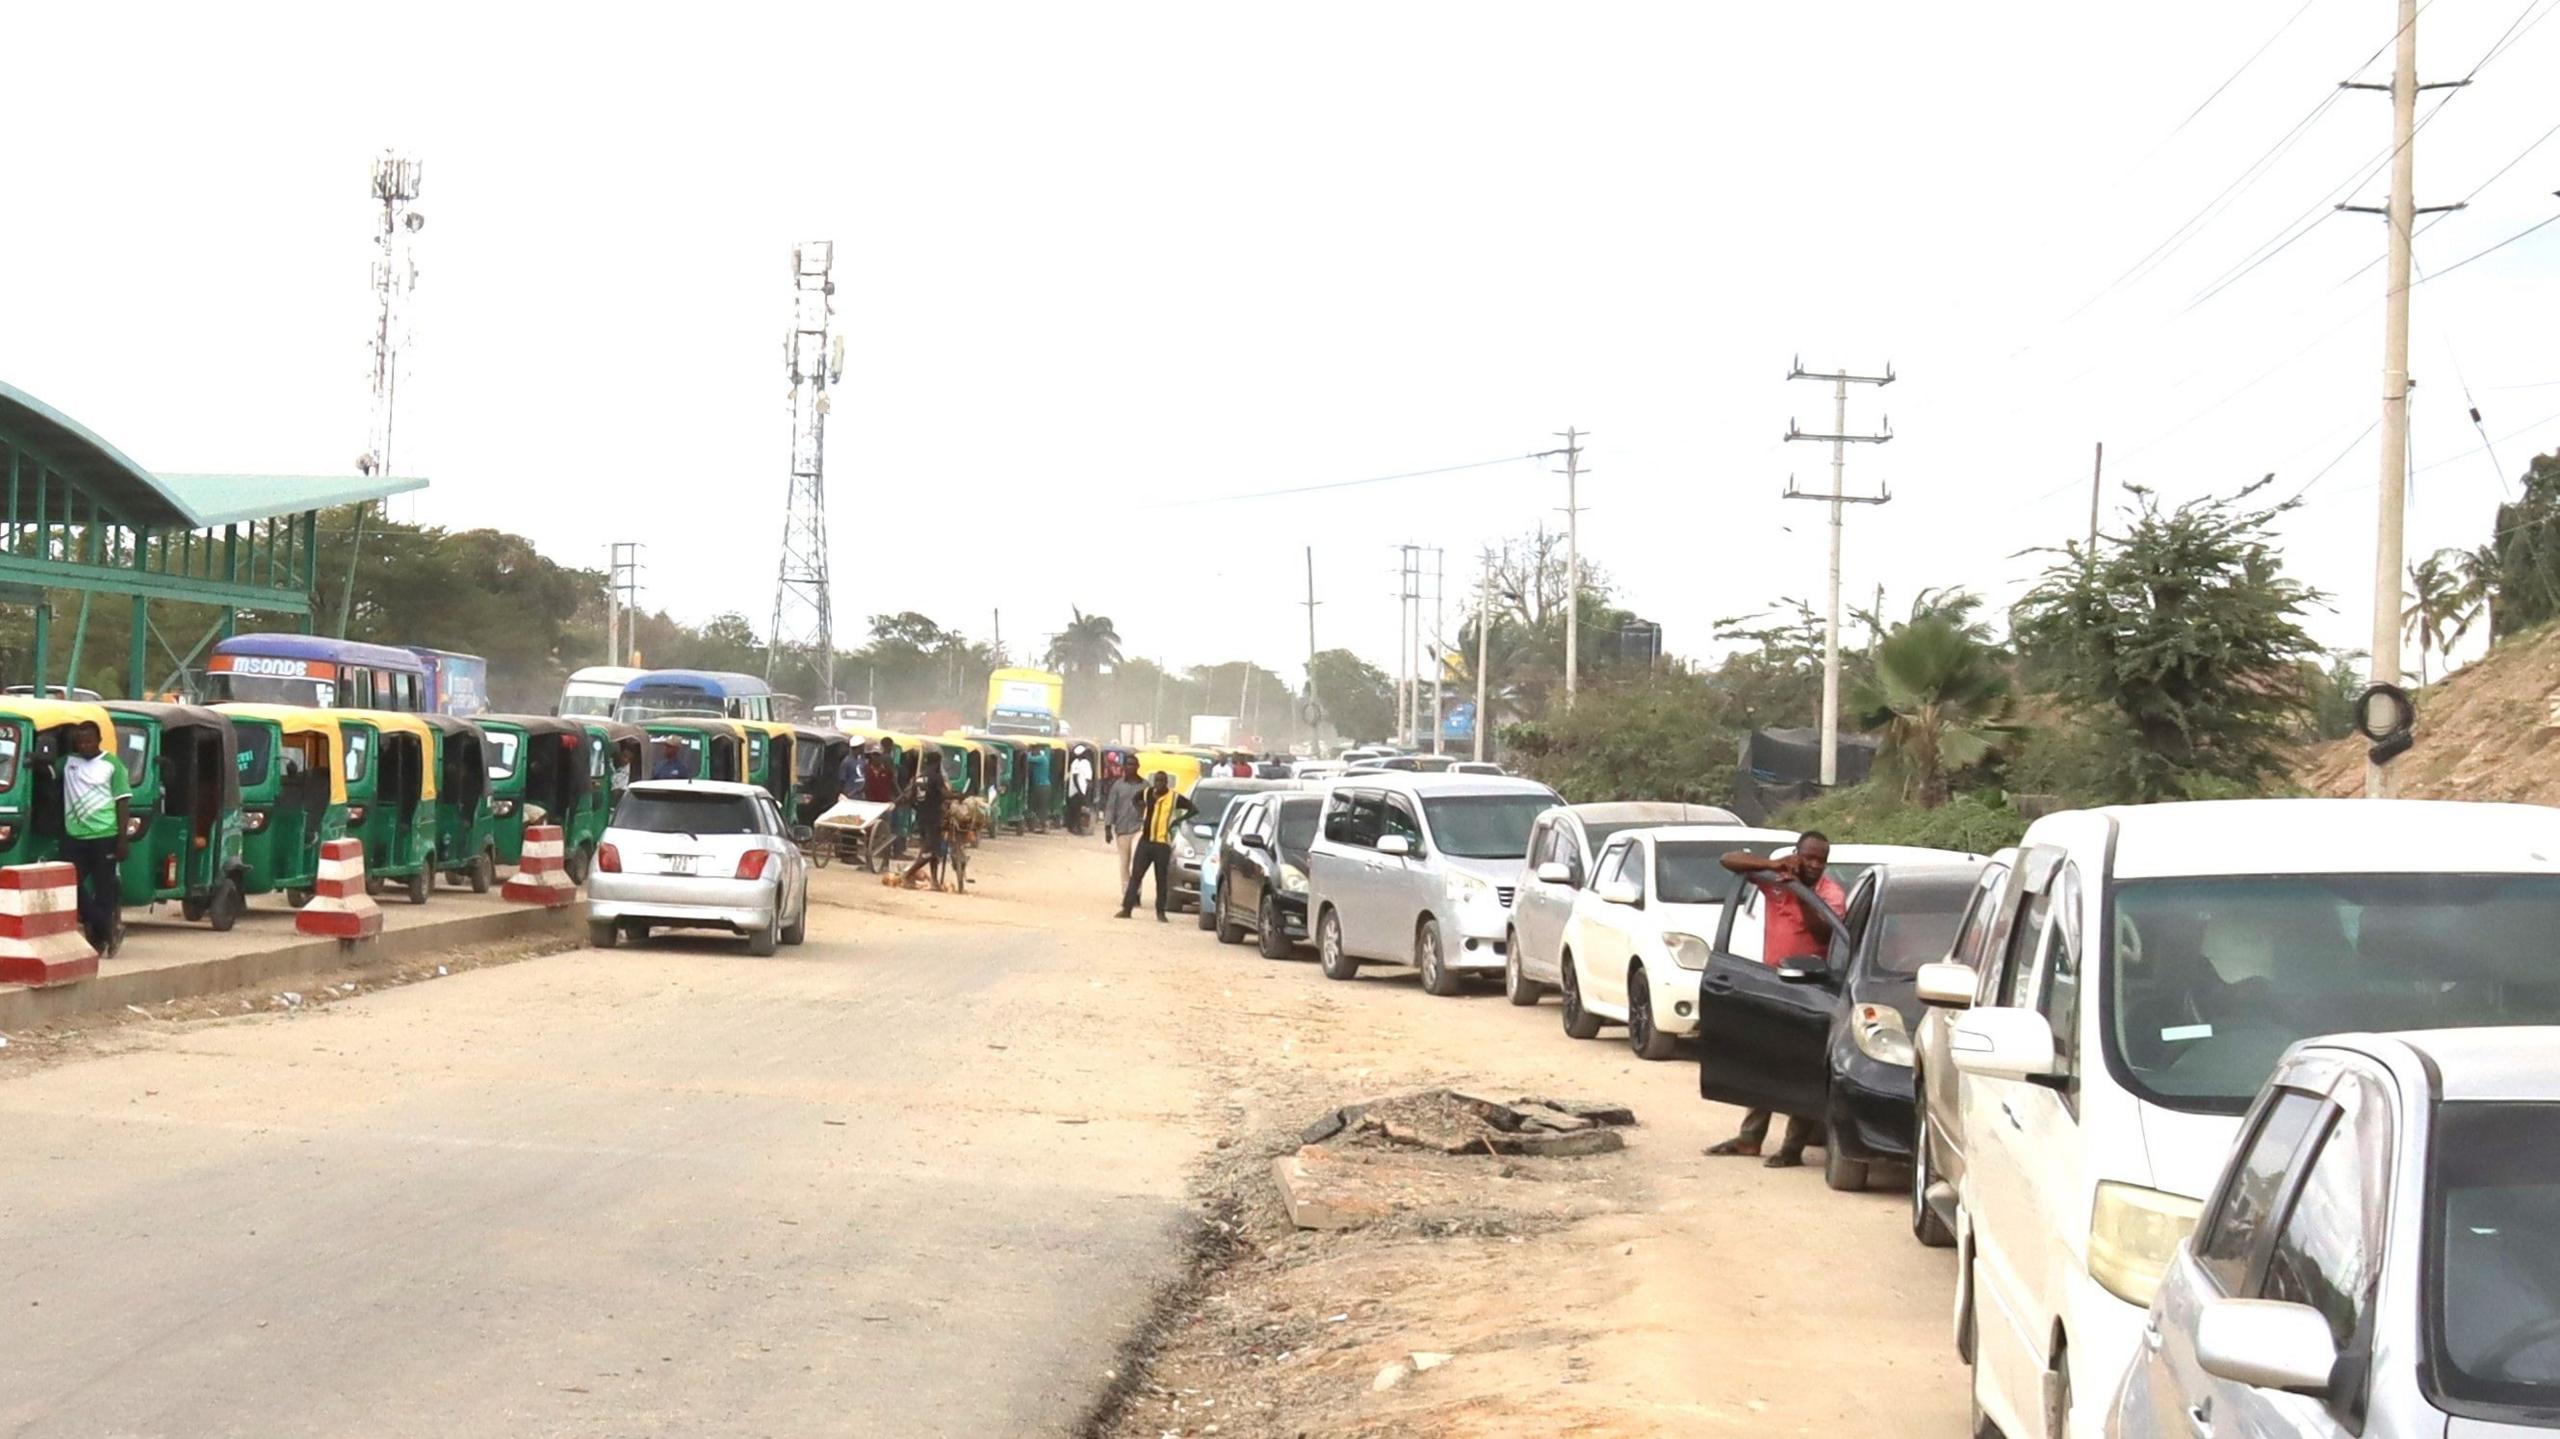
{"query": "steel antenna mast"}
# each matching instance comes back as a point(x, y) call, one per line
point(803, 608)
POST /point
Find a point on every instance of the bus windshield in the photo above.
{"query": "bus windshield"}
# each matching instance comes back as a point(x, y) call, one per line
point(270, 690)
point(588, 706)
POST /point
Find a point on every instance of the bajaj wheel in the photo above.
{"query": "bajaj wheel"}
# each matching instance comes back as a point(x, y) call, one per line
point(297, 897)
point(422, 883)
point(484, 872)
point(223, 910)
point(578, 863)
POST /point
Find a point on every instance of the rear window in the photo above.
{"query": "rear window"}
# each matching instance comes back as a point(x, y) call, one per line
point(676, 812)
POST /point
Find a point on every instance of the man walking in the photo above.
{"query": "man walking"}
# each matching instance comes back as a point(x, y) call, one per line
point(96, 802)
point(1122, 799)
point(1161, 810)
point(1791, 929)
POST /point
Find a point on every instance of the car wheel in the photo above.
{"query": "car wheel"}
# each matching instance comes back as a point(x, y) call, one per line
point(765, 941)
point(798, 930)
point(1429, 958)
point(1229, 932)
point(1647, 1041)
point(1839, 1171)
point(1517, 987)
point(1329, 953)
point(1969, 1338)
point(1579, 1023)
point(1273, 940)
point(2057, 1392)
point(1205, 917)
point(603, 934)
point(1926, 1226)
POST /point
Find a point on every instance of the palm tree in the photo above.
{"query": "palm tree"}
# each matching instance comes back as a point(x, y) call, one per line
point(2440, 608)
point(1940, 696)
point(1088, 645)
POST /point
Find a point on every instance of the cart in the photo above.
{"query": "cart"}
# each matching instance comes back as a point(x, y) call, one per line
point(855, 831)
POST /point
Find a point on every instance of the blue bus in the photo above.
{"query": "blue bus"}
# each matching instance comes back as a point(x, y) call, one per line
point(319, 673)
point(659, 693)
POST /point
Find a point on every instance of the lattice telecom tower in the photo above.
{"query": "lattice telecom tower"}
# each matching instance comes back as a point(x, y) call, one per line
point(396, 179)
point(816, 360)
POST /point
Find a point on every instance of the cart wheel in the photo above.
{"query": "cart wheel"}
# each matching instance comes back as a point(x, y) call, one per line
point(422, 884)
point(297, 897)
point(484, 872)
point(226, 906)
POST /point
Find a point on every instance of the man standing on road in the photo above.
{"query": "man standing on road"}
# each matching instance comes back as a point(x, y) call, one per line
point(1791, 930)
point(96, 802)
point(929, 798)
point(1122, 799)
point(1162, 809)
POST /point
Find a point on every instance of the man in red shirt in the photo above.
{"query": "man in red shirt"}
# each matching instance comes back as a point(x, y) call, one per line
point(1792, 929)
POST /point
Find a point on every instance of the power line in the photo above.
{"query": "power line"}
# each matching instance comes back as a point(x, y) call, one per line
point(2493, 249)
point(2236, 74)
point(1334, 485)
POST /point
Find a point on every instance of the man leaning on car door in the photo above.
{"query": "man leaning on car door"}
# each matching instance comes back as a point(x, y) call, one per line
point(1791, 930)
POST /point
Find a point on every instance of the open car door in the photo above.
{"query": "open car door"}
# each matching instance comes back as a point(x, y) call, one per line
point(1761, 1034)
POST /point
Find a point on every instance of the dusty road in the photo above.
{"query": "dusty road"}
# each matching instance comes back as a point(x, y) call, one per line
point(925, 1175)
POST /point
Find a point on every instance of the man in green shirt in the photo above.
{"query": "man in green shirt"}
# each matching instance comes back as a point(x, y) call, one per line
point(97, 802)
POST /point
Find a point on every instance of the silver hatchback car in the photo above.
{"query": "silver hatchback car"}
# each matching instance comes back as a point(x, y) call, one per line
point(698, 854)
point(2378, 1259)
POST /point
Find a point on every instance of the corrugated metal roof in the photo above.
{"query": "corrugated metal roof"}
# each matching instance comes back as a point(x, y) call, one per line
point(174, 501)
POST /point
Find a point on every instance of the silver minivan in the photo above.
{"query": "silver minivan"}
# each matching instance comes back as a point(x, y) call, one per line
point(1420, 869)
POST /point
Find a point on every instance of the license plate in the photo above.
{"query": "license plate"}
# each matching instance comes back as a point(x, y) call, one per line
point(679, 864)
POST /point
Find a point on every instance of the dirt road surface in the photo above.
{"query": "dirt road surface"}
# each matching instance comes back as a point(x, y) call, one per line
point(942, 1171)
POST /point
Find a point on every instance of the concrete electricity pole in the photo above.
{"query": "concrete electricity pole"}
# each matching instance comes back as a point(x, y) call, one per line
point(1840, 439)
point(2097, 469)
point(1315, 705)
point(1572, 563)
point(1484, 644)
point(2399, 214)
point(1439, 645)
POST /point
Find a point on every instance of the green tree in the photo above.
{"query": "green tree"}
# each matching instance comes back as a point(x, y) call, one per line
point(2433, 613)
point(1939, 696)
point(2518, 571)
point(2184, 630)
point(1088, 645)
point(1635, 734)
point(1359, 699)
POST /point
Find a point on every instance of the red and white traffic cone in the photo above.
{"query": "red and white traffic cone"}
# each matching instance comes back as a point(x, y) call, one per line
point(542, 876)
point(40, 939)
point(339, 907)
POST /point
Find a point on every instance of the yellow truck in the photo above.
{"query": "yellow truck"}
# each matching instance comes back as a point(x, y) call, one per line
point(1024, 702)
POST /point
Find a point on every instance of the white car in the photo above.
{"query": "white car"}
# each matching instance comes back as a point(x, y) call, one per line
point(1638, 935)
point(1558, 868)
point(698, 854)
point(2378, 1257)
point(1417, 869)
point(2149, 966)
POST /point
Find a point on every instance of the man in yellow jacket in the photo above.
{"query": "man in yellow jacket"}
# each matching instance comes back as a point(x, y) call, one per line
point(1158, 813)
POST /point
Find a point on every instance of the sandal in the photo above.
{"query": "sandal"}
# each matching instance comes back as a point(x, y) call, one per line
point(1746, 1148)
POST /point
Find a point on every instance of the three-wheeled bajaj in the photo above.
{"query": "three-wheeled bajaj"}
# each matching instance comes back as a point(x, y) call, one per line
point(537, 775)
point(183, 764)
point(466, 829)
point(34, 736)
point(1010, 789)
point(391, 797)
point(819, 759)
point(772, 759)
point(701, 748)
point(293, 794)
point(617, 758)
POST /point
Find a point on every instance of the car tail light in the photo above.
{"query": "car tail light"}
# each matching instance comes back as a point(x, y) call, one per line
point(608, 859)
point(751, 864)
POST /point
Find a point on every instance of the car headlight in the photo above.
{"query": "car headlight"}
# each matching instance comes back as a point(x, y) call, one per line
point(1184, 846)
point(1465, 887)
point(1687, 950)
point(2133, 1234)
point(1293, 880)
point(1880, 1034)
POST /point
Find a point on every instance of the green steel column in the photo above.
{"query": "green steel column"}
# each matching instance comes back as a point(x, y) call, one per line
point(44, 639)
point(135, 680)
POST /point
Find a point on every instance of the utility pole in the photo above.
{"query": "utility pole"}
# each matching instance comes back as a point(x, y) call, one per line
point(2399, 215)
point(2097, 471)
point(622, 598)
point(1572, 562)
point(1315, 705)
point(1408, 601)
point(995, 618)
point(1840, 439)
point(1484, 643)
point(1439, 645)
point(814, 356)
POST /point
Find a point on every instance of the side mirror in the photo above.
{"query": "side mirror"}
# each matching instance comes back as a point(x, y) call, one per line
point(2003, 1044)
point(1805, 969)
point(1253, 841)
point(1555, 871)
point(1620, 891)
point(1397, 845)
point(1946, 984)
point(802, 834)
point(2266, 1344)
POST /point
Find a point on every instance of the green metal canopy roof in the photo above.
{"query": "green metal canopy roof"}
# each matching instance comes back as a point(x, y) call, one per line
point(138, 496)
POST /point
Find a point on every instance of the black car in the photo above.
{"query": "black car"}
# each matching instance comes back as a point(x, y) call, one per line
point(1262, 882)
point(1829, 1036)
point(1196, 838)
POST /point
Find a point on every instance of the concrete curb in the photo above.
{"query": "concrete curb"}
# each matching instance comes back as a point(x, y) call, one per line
point(296, 956)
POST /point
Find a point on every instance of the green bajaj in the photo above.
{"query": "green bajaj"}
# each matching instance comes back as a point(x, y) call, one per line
point(183, 764)
point(466, 832)
point(391, 792)
point(293, 794)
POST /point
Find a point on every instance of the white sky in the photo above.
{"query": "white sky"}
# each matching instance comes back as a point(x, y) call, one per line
point(1129, 254)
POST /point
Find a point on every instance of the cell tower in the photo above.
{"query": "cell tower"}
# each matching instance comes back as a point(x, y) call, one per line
point(396, 179)
point(803, 611)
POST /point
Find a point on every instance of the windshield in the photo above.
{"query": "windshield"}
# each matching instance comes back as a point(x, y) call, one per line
point(502, 754)
point(257, 753)
point(359, 755)
point(1484, 826)
point(2494, 1282)
point(2213, 977)
point(676, 812)
point(270, 690)
point(133, 750)
point(1690, 872)
point(1919, 925)
point(642, 708)
point(596, 706)
point(1298, 824)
